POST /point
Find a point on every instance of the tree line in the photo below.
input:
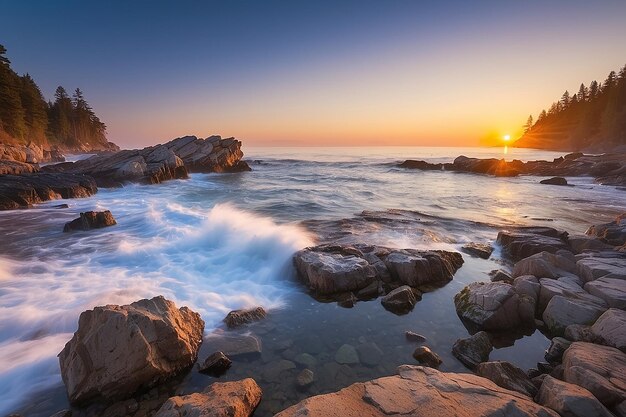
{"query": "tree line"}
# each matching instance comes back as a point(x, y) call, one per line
point(25, 116)
point(593, 117)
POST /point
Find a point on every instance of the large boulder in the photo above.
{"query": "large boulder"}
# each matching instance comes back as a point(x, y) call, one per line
point(610, 328)
point(592, 268)
point(473, 350)
point(570, 400)
point(522, 242)
point(611, 290)
point(612, 233)
point(599, 369)
point(90, 220)
point(400, 301)
point(564, 311)
point(507, 375)
point(546, 265)
point(490, 306)
point(420, 391)
point(221, 399)
point(119, 349)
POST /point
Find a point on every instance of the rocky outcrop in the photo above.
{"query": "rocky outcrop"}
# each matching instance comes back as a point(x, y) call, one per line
point(563, 311)
point(8, 167)
point(554, 181)
point(29, 154)
point(607, 169)
point(473, 350)
point(612, 233)
point(330, 270)
point(420, 391)
point(90, 220)
point(238, 318)
point(507, 375)
point(221, 399)
point(19, 191)
point(155, 164)
point(570, 400)
point(119, 349)
point(522, 242)
point(610, 328)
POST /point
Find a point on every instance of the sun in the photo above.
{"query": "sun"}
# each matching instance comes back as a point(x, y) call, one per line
point(506, 138)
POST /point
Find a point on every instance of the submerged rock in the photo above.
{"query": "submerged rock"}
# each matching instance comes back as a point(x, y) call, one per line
point(473, 350)
point(119, 349)
point(90, 220)
point(420, 391)
point(234, 346)
point(221, 399)
point(414, 337)
point(570, 400)
point(305, 378)
point(347, 354)
point(507, 375)
point(238, 318)
point(215, 364)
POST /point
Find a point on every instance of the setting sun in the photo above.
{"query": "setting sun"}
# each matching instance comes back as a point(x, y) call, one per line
point(506, 138)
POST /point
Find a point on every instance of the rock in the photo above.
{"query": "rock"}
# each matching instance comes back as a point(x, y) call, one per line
point(414, 337)
point(62, 413)
point(480, 250)
point(565, 288)
point(415, 268)
point(347, 354)
point(274, 369)
point(306, 360)
point(490, 306)
point(234, 346)
point(473, 350)
point(610, 328)
point(120, 349)
point(554, 181)
point(599, 369)
point(423, 165)
point(20, 191)
point(500, 276)
point(215, 364)
point(527, 285)
point(369, 354)
point(562, 311)
point(238, 318)
point(570, 400)
point(584, 243)
point(90, 220)
point(546, 265)
point(593, 268)
point(611, 290)
point(520, 243)
point(420, 391)
point(400, 301)
point(427, 357)
point(579, 333)
point(346, 300)
point(305, 378)
point(613, 233)
point(16, 168)
point(507, 375)
point(221, 399)
point(558, 346)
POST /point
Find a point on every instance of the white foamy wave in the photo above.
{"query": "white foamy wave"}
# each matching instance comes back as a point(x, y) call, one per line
point(220, 260)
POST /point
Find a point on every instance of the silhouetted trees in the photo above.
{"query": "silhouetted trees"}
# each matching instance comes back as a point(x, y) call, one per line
point(25, 116)
point(593, 117)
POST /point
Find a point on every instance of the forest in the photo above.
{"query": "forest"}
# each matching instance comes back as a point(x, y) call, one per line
point(592, 119)
point(68, 122)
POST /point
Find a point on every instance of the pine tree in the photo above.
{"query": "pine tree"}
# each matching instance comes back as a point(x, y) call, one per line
point(529, 124)
point(11, 110)
point(583, 93)
point(35, 109)
point(565, 100)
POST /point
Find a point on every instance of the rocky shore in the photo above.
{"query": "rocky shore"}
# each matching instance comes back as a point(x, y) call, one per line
point(607, 169)
point(23, 182)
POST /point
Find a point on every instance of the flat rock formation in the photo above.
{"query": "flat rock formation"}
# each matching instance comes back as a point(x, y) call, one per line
point(118, 350)
point(19, 191)
point(155, 164)
point(609, 169)
point(420, 391)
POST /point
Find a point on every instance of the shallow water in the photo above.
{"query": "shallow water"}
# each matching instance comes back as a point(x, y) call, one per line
point(217, 242)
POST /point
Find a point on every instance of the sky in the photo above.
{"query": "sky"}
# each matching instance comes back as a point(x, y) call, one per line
point(315, 73)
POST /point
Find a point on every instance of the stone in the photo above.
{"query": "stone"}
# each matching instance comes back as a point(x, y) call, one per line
point(274, 369)
point(480, 250)
point(346, 300)
point(369, 354)
point(520, 243)
point(584, 243)
point(306, 360)
point(234, 346)
point(91, 220)
point(565, 288)
point(21, 191)
point(414, 337)
point(215, 364)
point(610, 328)
point(347, 355)
point(545, 265)
point(527, 285)
point(611, 290)
point(118, 350)
point(599, 369)
point(592, 268)
point(305, 378)
point(238, 318)
point(579, 333)
point(427, 357)
point(400, 301)
point(420, 391)
point(562, 311)
point(570, 400)
point(221, 399)
point(507, 375)
point(558, 346)
point(500, 276)
point(612, 233)
point(473, 350)
point(489, 306)
point(415, 268)
point(554, 181)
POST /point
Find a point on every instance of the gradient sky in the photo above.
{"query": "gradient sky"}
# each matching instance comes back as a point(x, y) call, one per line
point(453, 73)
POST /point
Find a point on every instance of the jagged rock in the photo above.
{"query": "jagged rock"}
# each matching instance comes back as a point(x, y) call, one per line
point(19, 191)
point(473, 350)
point(120, 349)
point(415, 268)
point(414, 337)
point(490, 306)
point(234, 346)
point(562, 311)
point(554, 181)
point(593, 268)
point(221, 399)
point(215, 364)
point(400, 301)
point(610, 328)
point(16, 168)
point(238, 318)
point(347, 354)
point(481, 250)
point(599, 369)
point(420, 391)
point(520, 243)
point(570, 400)
point(305, 378)
point(507, 375)
point(427, 357)
point(611, 290)
point(613, 233)
point(499, 275)
point(90, 220)
point(558, 346)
